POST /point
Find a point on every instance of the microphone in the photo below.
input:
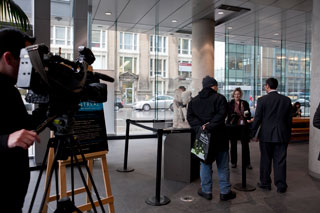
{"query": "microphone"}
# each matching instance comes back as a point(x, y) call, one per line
point(103, 77)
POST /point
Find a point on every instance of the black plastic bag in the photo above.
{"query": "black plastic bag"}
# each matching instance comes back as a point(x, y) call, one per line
point(201, 145)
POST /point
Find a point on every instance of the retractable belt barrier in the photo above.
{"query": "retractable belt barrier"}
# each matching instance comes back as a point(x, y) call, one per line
point(156, 200)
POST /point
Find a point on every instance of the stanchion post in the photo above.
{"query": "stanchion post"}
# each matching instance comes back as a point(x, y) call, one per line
point(126, 150)
point(243, 186)
point(158, 200)
point(244, 164)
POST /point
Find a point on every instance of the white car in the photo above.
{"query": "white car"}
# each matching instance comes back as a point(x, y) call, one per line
point(302, 101)
point(163, 102)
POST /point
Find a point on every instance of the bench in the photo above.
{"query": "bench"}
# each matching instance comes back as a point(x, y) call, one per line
point(300, 129)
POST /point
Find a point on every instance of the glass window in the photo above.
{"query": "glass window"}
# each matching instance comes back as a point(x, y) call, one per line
point(69, 36)
point(159, 68)
point(95, 38)
point(184, 46)
point(151, 43)
point(98, 39)
point(128, 64)
point(185, 68)
point(60, 35)
point(128, 41)
point(158, 44)
point(151, 67)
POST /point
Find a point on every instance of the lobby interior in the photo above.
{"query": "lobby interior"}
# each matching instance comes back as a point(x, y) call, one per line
point(284, 41)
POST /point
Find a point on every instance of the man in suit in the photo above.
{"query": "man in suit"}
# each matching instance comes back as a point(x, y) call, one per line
point(273, 114)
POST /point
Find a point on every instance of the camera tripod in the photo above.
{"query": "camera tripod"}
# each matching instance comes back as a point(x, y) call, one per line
point(65, 144)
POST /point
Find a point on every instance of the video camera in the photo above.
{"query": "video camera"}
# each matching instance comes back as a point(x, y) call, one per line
point(60, 83)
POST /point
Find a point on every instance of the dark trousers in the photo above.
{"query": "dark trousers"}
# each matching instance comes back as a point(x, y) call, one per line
point(276, 152)
point(234, 152)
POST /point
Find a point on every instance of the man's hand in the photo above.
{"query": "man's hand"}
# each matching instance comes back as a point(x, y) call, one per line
point(204, 126)
point(250, 121)
point(22, 138)
point(254, 139)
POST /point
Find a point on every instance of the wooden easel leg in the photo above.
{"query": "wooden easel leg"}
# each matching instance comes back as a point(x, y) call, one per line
point(107, 182)
point(49, 165)
point(90, 165)
point(62, 179)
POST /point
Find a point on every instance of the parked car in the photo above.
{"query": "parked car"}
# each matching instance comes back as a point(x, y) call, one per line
point(163, 102)
point(118, 104)
point(302, 101)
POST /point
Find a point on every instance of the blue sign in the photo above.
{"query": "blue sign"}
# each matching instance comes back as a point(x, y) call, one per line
point(90, 106)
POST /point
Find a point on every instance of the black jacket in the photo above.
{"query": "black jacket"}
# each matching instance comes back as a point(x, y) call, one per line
point(238, 132)
point(316, 118)
point(231, 109)
point(210, 106)
point(14, 163)
point(273, 113)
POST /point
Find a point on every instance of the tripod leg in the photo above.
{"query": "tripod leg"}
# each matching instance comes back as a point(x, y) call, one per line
point(72, 180)
point(82, 177)
point(90, 165)
point(90, 178)
point(39, 177)
point(57, 181)
point(50, 177)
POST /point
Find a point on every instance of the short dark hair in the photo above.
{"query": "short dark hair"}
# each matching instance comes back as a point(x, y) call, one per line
point(182, 88)
point(12, 40)
point(272, 82)
point(296, 104)
point(209, 82)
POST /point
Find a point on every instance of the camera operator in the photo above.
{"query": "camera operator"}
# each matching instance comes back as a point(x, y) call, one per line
point(16, 125)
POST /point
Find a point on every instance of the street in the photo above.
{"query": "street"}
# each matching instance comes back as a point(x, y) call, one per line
point(129, 113)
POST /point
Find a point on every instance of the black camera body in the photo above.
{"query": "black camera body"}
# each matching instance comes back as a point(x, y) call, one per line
point(61, 83)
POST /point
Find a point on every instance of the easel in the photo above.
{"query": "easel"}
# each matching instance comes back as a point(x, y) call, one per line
point(63, 186)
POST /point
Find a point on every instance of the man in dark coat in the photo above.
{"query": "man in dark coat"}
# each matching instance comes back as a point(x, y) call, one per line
point(316, 118)
point(15, 139)
point(273, 115)
point(208, 110)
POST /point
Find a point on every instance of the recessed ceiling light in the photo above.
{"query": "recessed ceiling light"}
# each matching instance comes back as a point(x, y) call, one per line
point(229, 28)
point(108, 13)
point(276, 34)
point(174, 21)
point(220, 13)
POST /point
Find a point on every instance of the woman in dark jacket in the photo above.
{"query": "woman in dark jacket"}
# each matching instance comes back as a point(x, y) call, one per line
point(238, 114)
point(296, 109)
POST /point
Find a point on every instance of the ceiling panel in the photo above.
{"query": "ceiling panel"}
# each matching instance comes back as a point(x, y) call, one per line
point(136, 10)
point(162, 10)
point(99, 7)
point(285, 17)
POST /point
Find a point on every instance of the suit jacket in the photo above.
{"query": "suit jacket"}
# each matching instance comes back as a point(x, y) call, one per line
point(316, 118)
point(273, 113)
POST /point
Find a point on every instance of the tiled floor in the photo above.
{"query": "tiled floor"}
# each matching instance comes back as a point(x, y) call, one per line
point(130, 190)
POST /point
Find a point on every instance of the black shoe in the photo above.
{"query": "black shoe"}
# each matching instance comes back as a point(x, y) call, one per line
point(281, 190)
point(234, 165)
point(249, 166)
point(205, 195)
point(229, 196)
point(265, 187)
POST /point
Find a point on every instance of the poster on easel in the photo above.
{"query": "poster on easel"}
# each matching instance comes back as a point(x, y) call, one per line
point(90, 127)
